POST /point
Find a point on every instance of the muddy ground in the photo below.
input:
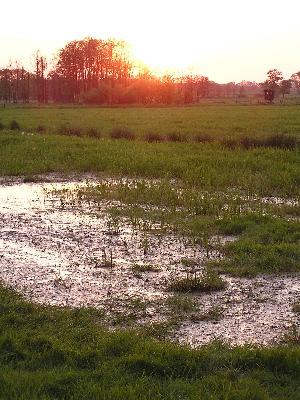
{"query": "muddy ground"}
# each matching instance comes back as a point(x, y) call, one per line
point(62, 254)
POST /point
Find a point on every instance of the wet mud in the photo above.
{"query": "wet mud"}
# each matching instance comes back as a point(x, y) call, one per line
point(72, 255)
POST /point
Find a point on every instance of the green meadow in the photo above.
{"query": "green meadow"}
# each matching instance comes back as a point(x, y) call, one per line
point(214, 120)
point(203, 188)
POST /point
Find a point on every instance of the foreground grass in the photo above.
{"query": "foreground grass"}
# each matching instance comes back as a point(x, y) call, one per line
point(51, 353)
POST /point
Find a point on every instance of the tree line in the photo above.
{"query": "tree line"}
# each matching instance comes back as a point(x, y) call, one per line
point(96, 71)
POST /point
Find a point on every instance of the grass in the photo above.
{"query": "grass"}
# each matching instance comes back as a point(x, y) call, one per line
point(213, 120)
point(122, 133)
point(213, 314)
point(266, 245)
point(181, 304)
point(141, 268)
point(204, 166)
point(266, 238)
point(296, 307)
point(203, 189)
point(209, 281)
point(51, 353)
point(93, 133)
point(153, 137)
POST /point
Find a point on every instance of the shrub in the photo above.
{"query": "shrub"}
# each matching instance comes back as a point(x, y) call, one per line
point(281, 141)
point(229, 143)
point(93, 133)
point(203, 138)
point(122, 133)
point(1, 126)
point(70, 131)
point(41, 129)
point(248, 142)
point(75, 131)
point(154, 137)
point(176, 137)
point(14, 126)
point(63, 130)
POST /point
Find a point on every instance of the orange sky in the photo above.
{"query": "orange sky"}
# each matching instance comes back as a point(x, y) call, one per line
point(226, 40)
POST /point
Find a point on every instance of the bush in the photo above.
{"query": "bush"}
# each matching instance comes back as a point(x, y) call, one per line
point(70, 131)
point(1, 126)
point(93, 133)
point(122, 133)
point(154, 137)
point(229, 143)
point(14, 126)
point(176, 137)
point(281, 141)
point(248, 142)
point(41, 129)
point(203, 138)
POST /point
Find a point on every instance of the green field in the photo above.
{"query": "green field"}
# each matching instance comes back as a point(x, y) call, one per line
point(52, 353)
point(217, 121)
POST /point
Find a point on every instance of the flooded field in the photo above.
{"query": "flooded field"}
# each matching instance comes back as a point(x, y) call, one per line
point(77, 255)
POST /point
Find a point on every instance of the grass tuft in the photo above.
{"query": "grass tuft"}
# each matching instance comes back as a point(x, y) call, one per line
point(214, 314)
point(209, 281)
point(140, 268)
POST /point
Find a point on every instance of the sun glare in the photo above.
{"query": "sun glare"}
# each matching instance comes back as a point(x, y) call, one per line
point(161, 58)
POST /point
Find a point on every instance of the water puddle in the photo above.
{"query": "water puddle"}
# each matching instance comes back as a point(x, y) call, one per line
point(76, 256)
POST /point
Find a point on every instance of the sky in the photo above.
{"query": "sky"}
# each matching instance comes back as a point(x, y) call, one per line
point(226, 40)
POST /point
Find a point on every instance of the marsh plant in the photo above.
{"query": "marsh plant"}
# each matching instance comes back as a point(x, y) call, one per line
point(141, 268)
point(106, 259)
point(113, 225)
point(145, 245)
point(207, 281)
point(213, 314)
point(179, 303)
